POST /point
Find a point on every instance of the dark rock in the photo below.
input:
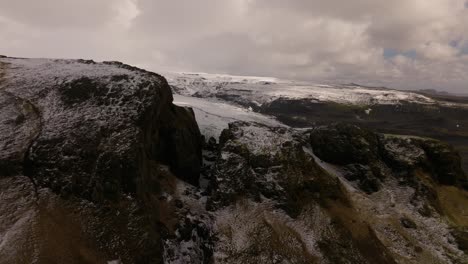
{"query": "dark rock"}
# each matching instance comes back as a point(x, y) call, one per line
point(445, 163)
point(425, 211)
point(86, 61)
point(181, 143)
point(198, 238)
point(461, 238)
point(367, 181)
point(418, 249)
point(356, 148)
point(408, 223)
point(178, 203)
point(344, 144)
point(212, 144)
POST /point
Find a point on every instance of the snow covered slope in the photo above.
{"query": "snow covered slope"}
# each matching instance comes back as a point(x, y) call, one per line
point(261, 90)
point(213, 115)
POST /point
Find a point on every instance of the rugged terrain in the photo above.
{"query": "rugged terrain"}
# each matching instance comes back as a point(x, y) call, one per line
point(98, 165)
point(303, 104)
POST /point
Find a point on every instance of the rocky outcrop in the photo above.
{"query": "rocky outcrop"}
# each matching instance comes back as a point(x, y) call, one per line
point(272, 198)
point(442, 161)
point(88, 136)
point(368, 157)
point(345, 144)
point(258, 161)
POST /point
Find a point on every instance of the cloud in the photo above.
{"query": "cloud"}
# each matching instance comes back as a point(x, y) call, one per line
point(400, 43)
point(58, 13)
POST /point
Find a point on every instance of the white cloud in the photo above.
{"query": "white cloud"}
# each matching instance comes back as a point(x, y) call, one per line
point(126, 12)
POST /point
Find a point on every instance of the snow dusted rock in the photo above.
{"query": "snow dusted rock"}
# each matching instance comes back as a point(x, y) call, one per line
point(258, 161)
point(271, 200)
point(401, 153)
point(367, 155)
point(96, 119)
point(407, 154)
point(87, 136)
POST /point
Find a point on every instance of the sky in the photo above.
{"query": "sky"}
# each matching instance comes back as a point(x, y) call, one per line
point(405, 44)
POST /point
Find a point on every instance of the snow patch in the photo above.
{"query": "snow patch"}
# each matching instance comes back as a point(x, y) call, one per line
point(213, 116)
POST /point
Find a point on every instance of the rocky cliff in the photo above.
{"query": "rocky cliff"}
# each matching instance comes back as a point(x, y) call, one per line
point(82, 144)
point(97, 165)
point(335, 194)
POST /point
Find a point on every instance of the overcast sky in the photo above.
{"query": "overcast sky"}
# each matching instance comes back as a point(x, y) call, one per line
point(408, 44)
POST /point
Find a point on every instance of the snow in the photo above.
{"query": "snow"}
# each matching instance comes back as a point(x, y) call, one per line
point(260, 139)
point(347, 95)
point(183, 79)
point(39, 70)
point(263, 90)
point(213, 116)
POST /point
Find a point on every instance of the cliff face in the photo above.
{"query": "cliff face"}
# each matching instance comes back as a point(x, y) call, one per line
point(97, 165)
point(80, 142)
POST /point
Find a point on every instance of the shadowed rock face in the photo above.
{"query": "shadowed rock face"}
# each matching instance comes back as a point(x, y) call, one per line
point(345, 144)
point(88, 135)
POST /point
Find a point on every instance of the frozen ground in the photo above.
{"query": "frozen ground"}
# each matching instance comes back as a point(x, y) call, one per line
point(213, 115)
point(261, 90)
